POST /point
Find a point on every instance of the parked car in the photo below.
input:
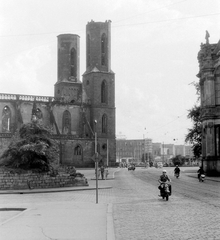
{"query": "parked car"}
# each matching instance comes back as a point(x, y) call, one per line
point(159, 164)
point(131, 167)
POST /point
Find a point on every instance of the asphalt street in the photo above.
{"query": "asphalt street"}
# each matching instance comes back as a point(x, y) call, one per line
point(192, 212)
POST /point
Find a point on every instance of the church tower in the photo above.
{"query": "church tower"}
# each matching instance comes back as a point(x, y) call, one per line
point(99, 86)
point(68, 86)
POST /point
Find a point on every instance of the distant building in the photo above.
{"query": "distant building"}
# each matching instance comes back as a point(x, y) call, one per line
point(132, 150)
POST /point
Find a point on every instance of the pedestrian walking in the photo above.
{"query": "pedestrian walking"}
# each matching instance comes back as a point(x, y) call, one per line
point(99, 172)
point(106, 172)
point(102, 171)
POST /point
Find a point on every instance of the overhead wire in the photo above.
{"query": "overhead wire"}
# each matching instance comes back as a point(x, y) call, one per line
point(153, 10)
point(116, 26)
point(168, 20)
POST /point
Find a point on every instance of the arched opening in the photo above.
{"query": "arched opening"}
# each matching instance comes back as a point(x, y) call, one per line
point(88, 50)
point(73, 63)
point(104, 92)
point(39, 114)
point(104, 49)
point(66, 129)
point(78, 150)
point(6, 119)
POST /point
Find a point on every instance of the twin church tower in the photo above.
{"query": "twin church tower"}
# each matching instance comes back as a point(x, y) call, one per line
point(79, 109)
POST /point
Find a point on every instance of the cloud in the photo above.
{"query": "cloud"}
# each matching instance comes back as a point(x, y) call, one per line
point(21, 74)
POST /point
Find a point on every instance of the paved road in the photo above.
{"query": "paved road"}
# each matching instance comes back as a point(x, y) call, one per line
point(193, 211)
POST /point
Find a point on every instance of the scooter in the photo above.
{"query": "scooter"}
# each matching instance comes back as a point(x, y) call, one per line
point(164, 191)
point(202, 178)
point(176, 175)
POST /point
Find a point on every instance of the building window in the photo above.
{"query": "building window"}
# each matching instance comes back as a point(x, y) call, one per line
point(78, 150)
point(6, 119)
point(73, 63)
point(39, 114)
point(104, 123)
point(104, 92)
point(104, 147)
point(66, 129)
point(104, 49)
point(217, 140)
point(88, 50)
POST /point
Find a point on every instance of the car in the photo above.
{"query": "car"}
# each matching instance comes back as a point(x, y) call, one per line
point(131, 167)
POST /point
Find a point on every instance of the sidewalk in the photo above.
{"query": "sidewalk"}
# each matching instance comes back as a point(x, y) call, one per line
point(57, 220)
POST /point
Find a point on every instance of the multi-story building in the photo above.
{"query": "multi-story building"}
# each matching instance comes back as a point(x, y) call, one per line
point(133, 150)
point(78, 109)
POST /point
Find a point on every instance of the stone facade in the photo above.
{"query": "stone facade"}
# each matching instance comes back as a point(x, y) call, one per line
point(209, 75)
point(76, 104)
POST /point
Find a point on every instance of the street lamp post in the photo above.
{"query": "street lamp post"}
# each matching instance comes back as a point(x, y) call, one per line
point(96, 162)
point(146, 159)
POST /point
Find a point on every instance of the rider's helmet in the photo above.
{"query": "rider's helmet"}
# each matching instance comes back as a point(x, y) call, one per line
point(176, 165)
point(164, 171)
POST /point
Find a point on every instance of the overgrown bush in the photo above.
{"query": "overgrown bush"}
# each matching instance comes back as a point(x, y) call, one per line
point(31, 148)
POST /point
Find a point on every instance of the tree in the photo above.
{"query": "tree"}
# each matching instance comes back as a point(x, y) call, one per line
point(31, 148)
point(178, 160)
point(194, 135)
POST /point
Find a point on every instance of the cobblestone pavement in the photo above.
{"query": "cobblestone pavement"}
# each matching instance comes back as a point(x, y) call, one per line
point(146, 216)
point(140, 214)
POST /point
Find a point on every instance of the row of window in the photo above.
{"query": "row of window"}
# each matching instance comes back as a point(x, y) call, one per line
point(66, 121)
point(78, 150)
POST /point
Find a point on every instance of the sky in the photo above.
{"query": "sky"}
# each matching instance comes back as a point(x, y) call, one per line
point(154, 47)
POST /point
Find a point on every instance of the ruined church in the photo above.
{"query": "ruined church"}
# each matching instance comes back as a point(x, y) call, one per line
point(79, 110)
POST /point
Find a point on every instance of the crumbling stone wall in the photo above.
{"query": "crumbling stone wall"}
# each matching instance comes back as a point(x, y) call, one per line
point(30, 180)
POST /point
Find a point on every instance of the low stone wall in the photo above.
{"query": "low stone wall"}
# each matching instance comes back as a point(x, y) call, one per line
point(30, 180)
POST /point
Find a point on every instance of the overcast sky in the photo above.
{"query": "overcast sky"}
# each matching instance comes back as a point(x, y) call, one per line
point(154, 55)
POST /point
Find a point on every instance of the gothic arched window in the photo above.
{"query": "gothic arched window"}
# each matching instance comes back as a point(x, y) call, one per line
point(6, 119)
point(104, 123)
point(66, 129)
point(73, 63)
point(104, 49)
point(88, 50)
point(39, 114)
point(78, 150)
point(98, 148)
point(104, 92)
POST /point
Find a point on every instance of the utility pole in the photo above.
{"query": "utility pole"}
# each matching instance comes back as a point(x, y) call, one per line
point(145, 151)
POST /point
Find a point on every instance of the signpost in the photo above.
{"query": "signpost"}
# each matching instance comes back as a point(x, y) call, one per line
point(96, 158)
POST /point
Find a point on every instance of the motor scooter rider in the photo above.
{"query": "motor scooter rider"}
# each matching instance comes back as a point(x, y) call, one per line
point(164, 178)
point(200, 172)
point(177, 170)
